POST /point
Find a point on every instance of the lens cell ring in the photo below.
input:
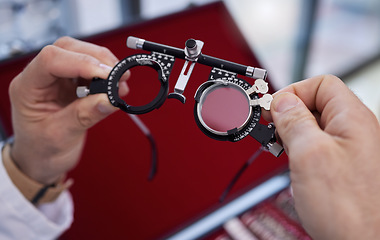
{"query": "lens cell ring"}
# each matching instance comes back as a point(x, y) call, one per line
point(160, 62)
point(244, 127)
point(215, 102)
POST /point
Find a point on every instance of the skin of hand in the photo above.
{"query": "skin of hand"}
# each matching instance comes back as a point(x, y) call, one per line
point(332, 141)
point(49, 121)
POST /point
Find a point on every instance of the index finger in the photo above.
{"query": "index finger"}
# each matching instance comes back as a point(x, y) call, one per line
point(330, 97)
point(54, 62)
point(103, 54)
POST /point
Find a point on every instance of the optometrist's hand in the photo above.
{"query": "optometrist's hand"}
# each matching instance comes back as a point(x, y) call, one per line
point(333, 143)
point(49, 121)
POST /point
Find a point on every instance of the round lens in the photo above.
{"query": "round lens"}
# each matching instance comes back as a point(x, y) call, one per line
point(224, 107)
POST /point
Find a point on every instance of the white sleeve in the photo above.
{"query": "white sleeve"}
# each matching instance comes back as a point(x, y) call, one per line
point(20, 219)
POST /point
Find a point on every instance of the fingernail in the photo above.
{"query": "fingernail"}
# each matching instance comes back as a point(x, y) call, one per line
point(105, 107)
point(105, 67)
point(284, 101)
point(123, 86)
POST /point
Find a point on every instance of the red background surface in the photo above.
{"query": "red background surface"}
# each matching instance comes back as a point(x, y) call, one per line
point(112, 196)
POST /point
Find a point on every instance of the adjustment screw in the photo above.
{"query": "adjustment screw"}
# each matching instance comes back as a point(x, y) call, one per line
point(191, 43)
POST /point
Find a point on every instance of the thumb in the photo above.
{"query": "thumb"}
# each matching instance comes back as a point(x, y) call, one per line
point(295, 124)
point(86, 112)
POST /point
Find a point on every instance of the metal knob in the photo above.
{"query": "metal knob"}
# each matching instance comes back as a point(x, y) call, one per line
point(82, 91)
point(275, 148)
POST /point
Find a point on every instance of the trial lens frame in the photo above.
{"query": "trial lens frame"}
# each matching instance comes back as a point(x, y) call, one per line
point(162, 58)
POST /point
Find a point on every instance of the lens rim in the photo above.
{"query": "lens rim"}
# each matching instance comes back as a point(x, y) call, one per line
point(159, 62)
point(205, 94)
point(233, 135)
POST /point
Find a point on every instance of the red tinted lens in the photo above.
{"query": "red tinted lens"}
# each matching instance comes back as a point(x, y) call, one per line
point(225, 108)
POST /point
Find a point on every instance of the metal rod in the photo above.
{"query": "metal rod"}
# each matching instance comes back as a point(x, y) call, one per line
point(138, 43)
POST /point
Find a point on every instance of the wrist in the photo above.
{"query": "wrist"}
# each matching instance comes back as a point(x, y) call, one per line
point(32, 190)
point(34, 162)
